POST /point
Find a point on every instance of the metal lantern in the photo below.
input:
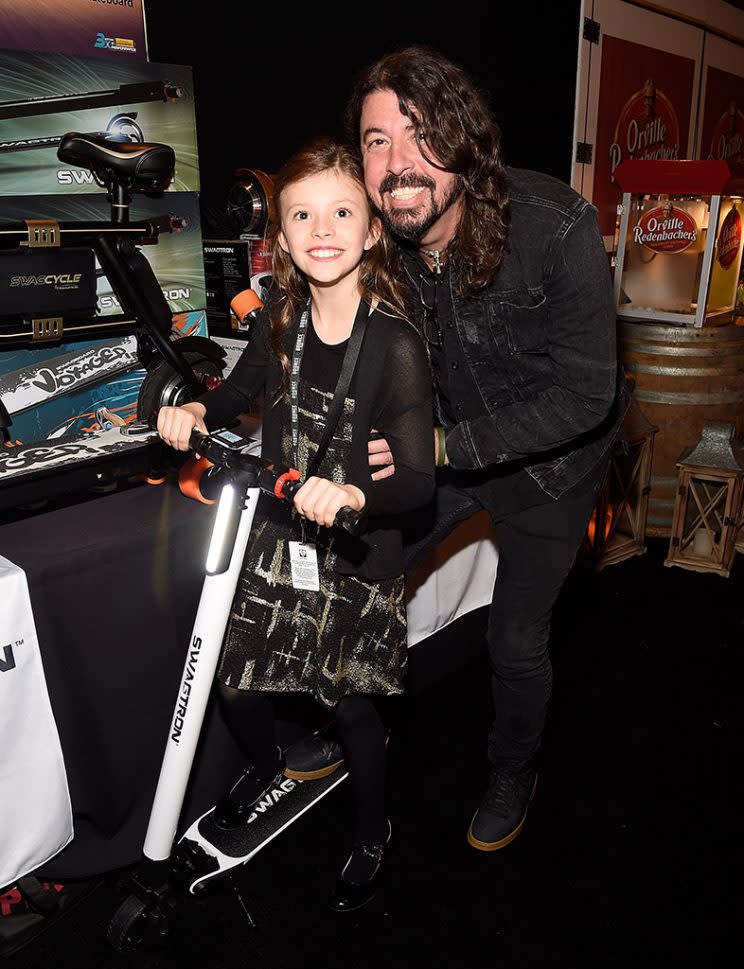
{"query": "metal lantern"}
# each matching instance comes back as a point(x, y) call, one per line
point(617, 525)
point(708, 503)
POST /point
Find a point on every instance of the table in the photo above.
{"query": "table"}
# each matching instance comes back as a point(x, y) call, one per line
point(114, 584)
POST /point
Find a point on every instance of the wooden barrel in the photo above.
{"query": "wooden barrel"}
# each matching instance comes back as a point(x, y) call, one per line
point(683, 377)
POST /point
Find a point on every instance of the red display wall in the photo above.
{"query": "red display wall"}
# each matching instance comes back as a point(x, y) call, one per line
point(723, 118)
point(644, 108)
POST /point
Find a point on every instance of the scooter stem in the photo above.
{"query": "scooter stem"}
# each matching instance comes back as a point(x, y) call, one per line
point(194, 690)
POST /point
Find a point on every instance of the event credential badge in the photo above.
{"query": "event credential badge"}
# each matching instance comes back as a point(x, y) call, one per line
point(304, 561)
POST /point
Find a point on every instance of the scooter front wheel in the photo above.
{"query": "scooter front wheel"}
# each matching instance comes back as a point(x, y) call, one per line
point(136, 924)
point(163, 387)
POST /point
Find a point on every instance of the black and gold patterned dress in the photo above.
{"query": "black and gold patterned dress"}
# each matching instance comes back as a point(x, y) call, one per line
point(350, 636)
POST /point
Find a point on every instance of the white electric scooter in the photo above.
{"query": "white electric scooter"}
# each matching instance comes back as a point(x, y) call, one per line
point(204, 852)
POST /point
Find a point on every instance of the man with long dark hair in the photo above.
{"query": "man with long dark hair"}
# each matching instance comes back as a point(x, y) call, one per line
point(511, 289)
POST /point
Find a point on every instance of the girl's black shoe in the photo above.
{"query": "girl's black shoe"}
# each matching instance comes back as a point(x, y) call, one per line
point(234, 809)
point(360, 876)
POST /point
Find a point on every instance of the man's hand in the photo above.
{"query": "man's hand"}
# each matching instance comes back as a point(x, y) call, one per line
point(319, 500)
point(380, 456)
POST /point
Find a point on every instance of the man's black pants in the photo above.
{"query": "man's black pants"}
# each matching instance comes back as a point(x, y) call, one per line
point(537, 539)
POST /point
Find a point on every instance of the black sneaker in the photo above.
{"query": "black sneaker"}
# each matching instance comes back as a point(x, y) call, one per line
point(502, 811)
point(234, 809)
point(360, 876)
point(313, 757)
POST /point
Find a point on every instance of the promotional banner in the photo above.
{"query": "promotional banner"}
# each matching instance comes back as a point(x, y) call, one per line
point(45, 96)
point(21, 464)
point(644, 111)
point(92, 28)
point(723, 119)
point(176, 259)
point(62, 391)
point(637, 97)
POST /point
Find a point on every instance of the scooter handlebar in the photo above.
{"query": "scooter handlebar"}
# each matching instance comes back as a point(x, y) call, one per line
point(288, 483)
point(283, 483)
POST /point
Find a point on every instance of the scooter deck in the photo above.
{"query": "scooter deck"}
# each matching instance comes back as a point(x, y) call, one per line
point(211, 851)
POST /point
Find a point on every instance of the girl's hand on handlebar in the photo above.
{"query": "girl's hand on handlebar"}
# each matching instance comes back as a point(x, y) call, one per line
point(319, 500)
point(175, 424)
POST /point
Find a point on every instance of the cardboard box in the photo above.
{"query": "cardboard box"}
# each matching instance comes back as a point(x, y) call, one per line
point(230, 266)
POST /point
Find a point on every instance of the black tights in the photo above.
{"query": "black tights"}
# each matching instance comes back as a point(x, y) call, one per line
point(251, 717)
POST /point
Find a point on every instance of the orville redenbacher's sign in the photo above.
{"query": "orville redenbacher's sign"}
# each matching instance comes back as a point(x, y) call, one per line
point(666, 229)
point(727, 140)
point(729, 238)
point(646, 128)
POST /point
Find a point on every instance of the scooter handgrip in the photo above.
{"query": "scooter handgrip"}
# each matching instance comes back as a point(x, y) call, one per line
point(197, 438)
point(288, 483)
point(351, 521)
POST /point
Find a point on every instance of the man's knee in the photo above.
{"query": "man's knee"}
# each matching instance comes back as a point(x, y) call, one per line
point(518, 642)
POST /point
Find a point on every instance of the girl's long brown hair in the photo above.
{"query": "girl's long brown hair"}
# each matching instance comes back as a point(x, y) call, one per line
point(379, 272)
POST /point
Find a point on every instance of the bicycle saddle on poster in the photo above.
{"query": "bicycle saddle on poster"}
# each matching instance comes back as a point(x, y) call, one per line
point(141, 167)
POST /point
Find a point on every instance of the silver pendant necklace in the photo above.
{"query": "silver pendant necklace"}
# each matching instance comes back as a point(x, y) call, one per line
point(435, 254)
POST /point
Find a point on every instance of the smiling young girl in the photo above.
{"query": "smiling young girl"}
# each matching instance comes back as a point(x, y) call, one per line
point(318, 611)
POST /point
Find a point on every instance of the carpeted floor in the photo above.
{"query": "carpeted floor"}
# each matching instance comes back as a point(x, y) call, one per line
point(631, 854)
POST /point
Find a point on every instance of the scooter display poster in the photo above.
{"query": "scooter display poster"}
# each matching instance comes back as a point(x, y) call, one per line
point(81, 387)
point(176, 258)
point(91, 28)
point(45, 96)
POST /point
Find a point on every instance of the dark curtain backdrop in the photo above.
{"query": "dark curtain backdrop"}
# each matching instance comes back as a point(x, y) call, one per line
point(269, 78)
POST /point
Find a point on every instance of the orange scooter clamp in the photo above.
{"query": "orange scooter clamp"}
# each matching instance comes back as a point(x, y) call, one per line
point(292, 475)
point(189, 478)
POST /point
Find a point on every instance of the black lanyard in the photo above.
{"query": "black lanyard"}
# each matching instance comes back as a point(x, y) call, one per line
point(342, 386)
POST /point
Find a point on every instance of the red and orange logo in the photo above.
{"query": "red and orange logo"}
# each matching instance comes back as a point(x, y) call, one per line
point(646, 128)
point(727, 140)
point(729, 238)
point(666, 229)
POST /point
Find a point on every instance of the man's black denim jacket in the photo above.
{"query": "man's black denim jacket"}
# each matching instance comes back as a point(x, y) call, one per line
point(541, 343)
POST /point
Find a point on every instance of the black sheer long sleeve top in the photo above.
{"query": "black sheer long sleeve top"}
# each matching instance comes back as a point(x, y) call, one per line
point(393, 395)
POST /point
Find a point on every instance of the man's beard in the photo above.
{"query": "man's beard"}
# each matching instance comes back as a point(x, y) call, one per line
point(411, 224)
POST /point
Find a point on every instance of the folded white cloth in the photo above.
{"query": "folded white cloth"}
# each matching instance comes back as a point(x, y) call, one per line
point(456, 577)
point(35, 810)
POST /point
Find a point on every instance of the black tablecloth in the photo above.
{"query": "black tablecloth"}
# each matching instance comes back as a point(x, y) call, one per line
point(114, 584)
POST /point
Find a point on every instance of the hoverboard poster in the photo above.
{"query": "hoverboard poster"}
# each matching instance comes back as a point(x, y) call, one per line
point(176, 259)
point(92, 28)
point(44, 96)
point(59, 395)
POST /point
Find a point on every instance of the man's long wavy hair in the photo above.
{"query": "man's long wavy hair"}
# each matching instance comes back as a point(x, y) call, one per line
point(457, 127)
point(379, 271)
